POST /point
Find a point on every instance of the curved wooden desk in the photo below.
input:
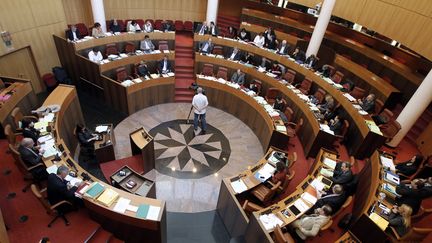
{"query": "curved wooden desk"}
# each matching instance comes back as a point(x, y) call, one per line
point(362, 141)
point(242, 106)
point(361, 76)
point(405, 78)
point(126, 226)
point(310, 134)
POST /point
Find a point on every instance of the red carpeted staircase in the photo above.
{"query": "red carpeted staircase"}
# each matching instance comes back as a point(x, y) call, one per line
point(224, 21)
point(419, 126)
point(184, 67)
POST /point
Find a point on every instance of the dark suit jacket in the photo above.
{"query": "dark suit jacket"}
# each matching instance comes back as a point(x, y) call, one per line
point(341, 178)
point(69, 34)
point(334, 201)
point(300, 56)
point(210, 48)
point(83, 137)
point(206, 29)
point(285, 51)
point(216, 30)
point(407, 168)
point(314, 62)
point(161, 64)
point(246, 38)
point(236, 57)
point(29, 158)
point(410, 197)
point(31, 133)
point(57, 190)
point(115, 28)
point(336, 127)
point(168, 27)
point(368, 106)
point(143, 70)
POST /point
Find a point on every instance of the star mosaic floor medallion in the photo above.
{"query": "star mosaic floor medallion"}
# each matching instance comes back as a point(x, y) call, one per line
point(181, 154)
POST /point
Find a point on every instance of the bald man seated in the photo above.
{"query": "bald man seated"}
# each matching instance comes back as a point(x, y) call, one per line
point(32, 156)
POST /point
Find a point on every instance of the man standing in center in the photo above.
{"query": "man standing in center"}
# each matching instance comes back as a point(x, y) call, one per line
point(200, 103)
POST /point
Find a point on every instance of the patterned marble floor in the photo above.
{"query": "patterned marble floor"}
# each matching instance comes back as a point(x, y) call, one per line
point(200, 194)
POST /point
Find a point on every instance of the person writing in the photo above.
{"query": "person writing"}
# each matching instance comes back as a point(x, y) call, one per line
point(309, 225)
point(95, 55)
point(400, 219)
point(97, 31)
point(200, 103)
point(335, 199)
point(32, 156)
point(133, 26)
point(410, 167)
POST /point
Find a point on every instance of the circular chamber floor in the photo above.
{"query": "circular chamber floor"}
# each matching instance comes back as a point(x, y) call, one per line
point(189, 169)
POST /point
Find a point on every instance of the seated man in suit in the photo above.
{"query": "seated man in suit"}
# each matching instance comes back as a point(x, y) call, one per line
point(238, 77)
point(142, 70)
point(164, 65)
point(147, 45)
point(206, 47)
point(28, 130)
point(213, 30)
point(283, 48)
point(95, 55)
point(299, 55)
point(412, 194)
point(335, 125)
point(334, 198)
point(73, 34)
point(115, 27)
point(310, 225)
point(235, 55)
point(59, 190)
point(311, 62)
point(148, 27)
point(202, 29)
point(248, 58)
point(342, 173)
point(32, 156)
point(368, 103)
point(167, 26)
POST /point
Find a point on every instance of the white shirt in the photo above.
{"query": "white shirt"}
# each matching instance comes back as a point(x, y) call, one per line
point(200, 101)
point(205, 48)
point(164, 68)
point(233, 55)
point(95, 57)
point(74, 35)
point(282, 49)
point(148, 28)
point(259, 41)
point(132, 28)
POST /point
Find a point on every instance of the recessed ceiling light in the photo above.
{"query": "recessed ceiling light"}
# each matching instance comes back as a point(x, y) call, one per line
point(194, 170)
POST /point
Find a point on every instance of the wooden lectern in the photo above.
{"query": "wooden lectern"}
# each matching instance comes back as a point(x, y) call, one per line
point(142, 142)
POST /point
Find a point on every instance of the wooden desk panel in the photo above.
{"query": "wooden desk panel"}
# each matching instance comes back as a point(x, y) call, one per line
point(123, 37)
point(23, 97)
point(125, 226)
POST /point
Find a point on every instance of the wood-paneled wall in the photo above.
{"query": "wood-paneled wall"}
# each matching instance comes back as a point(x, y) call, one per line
point(194, 10)
point(78, 11)
point(409, 22)
point(33, 22)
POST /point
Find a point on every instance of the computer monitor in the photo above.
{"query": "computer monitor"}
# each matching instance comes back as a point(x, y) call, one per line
point(365, 230)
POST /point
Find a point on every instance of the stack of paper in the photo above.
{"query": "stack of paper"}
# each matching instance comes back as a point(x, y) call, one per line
point(392, 178)
point(45, 138)
point(101, 129)
point(137, 80)
point(108, 197)
point(309, 198)
point(270, 221)
point(317, 184)
point(329, 162)
point(73, 180)
point(127, 83)
point(265, 172)
point(349, 97)
point(238, 186)
point(325, 172)
point(301, 205)
point(387, 163)
point(154, 75)
point(281, 128)
point(48, 117)
point(50, 151)
point(41, 125)
point(378, 220)
point(153, 213)
point(94, 190)
point(52, 169)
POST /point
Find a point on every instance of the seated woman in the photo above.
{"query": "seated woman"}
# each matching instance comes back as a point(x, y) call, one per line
point(148, 27)
point(410, 167)
point(97, 31)
point(400, 219)
point(244, 35)
point(29, 131)
point(280, 173)
point(309, 225)
point(279, 106)
point(259, 40)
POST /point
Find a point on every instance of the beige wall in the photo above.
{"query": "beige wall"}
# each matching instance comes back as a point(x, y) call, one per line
point(33, 22)
point(194, 10)
point(78, 11)
point(407, 21)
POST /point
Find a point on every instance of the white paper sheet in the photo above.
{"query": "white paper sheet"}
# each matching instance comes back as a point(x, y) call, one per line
point(121, 205)
point(153, 213)
point(388, 163)
point(101, 128)
point(52, 169)
point(238, 186)
point(132, 208)
point(309, 198)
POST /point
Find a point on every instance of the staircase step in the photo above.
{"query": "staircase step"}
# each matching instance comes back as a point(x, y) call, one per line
point(99, 236)
point(184, 55)
point(180, 99)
